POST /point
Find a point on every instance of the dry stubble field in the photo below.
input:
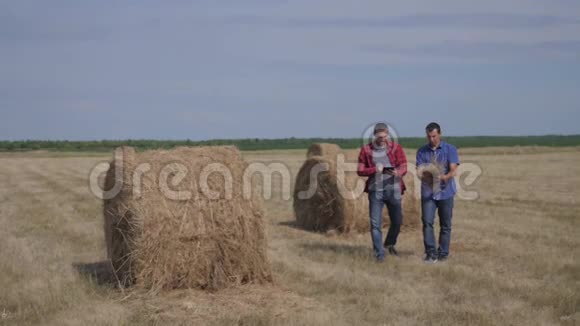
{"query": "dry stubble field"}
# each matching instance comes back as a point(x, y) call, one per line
point(515, 255)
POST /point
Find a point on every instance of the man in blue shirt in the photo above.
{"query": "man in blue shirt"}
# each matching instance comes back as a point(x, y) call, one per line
point(437, 163)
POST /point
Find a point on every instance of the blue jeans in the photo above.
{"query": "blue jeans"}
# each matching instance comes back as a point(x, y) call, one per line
point(445, 212)
point(377, 199)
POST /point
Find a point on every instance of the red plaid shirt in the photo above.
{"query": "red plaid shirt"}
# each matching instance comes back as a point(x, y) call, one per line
point(366, 166)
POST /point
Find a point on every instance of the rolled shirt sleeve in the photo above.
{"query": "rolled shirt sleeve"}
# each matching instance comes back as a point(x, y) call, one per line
point(453, 157)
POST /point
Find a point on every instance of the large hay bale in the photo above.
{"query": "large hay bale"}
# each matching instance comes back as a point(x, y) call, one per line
point(156, 239)
point(327, 209)
point(323, 149)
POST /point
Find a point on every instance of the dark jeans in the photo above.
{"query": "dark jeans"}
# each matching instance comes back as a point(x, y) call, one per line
point(377, 199)
point(445, 212)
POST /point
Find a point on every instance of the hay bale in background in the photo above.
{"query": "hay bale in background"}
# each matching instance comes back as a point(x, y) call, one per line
point(323, 149)
point(327, 210)
point(161, 243)
point(411, 200)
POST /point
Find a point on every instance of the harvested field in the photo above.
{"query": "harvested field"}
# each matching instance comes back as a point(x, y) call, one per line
point(515, 255)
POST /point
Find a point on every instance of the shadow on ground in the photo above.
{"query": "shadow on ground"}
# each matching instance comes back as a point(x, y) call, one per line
point(102, 272)
point(291, 224)
point(342, 249)
point(348, 250)
point(294, 225)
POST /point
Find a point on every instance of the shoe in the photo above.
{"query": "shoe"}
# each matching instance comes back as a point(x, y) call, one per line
point(442, 258)
point(380, 260)
point(429, 259)
point(392, 251)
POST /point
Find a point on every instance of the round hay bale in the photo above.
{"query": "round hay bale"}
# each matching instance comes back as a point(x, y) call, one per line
point(411, 200)
point(323, 203)
point(168, 229)
point(323, 149)
point(326, 208)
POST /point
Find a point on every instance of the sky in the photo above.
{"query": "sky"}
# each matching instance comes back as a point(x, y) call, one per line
point(85, 70)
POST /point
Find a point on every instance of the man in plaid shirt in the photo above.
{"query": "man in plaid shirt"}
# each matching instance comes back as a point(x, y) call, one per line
point(384, 163)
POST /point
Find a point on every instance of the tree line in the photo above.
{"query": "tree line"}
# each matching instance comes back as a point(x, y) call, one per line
point(281, 143)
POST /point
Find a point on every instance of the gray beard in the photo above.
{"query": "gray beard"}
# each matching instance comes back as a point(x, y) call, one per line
point(376, 146)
